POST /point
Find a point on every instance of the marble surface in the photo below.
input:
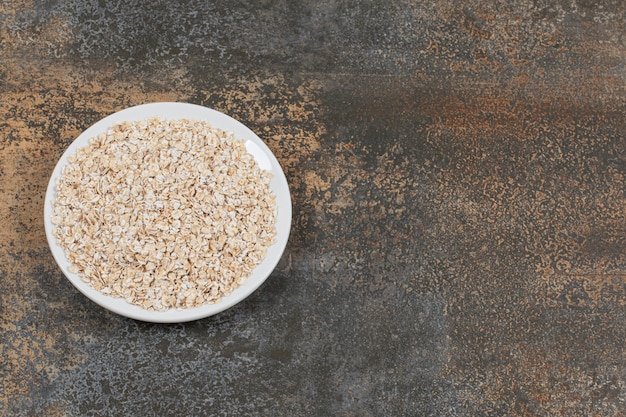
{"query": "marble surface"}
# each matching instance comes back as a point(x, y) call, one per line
point(458, 180)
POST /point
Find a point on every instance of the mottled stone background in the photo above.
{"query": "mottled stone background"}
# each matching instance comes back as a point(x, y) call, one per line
point(458, 178)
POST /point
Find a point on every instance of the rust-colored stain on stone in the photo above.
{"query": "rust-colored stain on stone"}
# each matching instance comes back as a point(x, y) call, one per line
point(458, 182)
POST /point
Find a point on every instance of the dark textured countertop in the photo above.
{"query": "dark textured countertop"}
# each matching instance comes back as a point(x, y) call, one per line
point(458, 181)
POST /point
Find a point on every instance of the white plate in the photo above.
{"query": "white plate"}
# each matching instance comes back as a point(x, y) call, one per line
point(254, 145)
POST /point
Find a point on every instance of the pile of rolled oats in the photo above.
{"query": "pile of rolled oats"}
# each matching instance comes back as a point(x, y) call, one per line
point(165, 214)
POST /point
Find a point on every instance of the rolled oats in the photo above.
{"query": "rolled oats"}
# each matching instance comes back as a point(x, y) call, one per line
point(165, 214)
